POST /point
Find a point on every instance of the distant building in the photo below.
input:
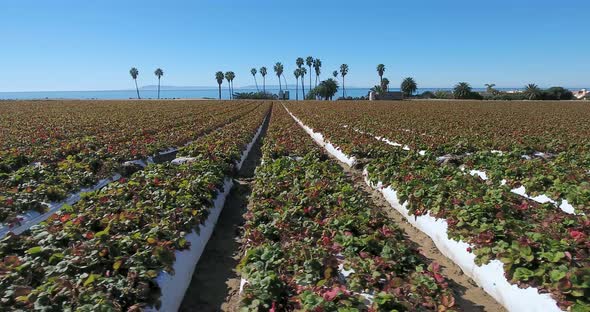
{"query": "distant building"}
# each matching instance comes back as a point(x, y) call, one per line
point(582, 94)
point(387, 96)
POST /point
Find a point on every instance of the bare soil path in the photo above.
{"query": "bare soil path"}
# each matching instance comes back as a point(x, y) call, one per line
point(215, 283)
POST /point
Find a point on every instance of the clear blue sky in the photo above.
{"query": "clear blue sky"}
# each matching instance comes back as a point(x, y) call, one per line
point(90, 45)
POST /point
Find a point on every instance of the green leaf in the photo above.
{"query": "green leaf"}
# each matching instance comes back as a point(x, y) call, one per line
point(523, 274)
point(91, 279)
point(34, 250)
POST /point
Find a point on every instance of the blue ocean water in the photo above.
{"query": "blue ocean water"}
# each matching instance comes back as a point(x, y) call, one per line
point(170, 94)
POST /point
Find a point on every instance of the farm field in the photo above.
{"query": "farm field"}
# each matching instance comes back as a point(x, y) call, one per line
point(108, 205)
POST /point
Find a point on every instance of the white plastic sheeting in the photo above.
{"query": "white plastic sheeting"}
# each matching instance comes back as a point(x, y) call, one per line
point(31, 218)
point(319, 139)
point(490, 276)
point(173, 286)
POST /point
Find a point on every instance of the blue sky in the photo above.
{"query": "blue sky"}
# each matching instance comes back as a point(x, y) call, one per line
point(90, 45)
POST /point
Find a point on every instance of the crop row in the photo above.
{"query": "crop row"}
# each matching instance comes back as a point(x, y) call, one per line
point(512, 141)
point(108, 251)
point(315, 243)
point(539, 245)
point(35, 187)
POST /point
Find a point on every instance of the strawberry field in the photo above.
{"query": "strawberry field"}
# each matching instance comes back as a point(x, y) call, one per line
point(108, 205)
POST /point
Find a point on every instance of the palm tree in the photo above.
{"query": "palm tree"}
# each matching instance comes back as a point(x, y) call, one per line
point(309, 62)
point(263, 74)
point(490, 88)
point(409, 86)
point(232, 75)
point(227, 77)
point(303, 72)
point(343, 73)
point(299, 61)
point(384, 84)
point(297, 73)
point(335, 74)
point(532, 91)
point(278, 68)
point(462, 90)
point(219, 78)
point(317, 64)
point(380, 71)
point(134, 73)
point(159, 73)
point(253, 72)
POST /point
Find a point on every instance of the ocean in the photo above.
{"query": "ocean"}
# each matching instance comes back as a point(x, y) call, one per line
point(201, 93)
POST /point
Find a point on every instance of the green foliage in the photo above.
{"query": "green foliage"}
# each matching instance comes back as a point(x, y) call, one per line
point(255, 96)
point(409, 86)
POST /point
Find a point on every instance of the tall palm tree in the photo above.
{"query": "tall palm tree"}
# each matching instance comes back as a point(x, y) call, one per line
point(317, 64)
point(228, 78)
point(384, 84)
point(232, 75)
point(263, 74)
point(309, 63)
point(253, 72)
point(297, 73)
point(299, 61)
point(532, 91)
point(134, 73)
point(462, 90)
point(490, 88)
point(343, 73)
point(380, 71)
point(278, 68)
point(219, 78)
point(303, 72)
point(409, 86)
point(159, 73)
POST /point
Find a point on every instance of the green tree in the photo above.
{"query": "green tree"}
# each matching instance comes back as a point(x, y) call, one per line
point(253, 72)
point(335, 74)
point(309, 63)
point(409, 86)
point(263, 74)
point(490, 88)
point(159, 73)
point(532, 92)
point(343, 73)
point(317, 65)
point(232, 75)
point(297, 74)
point(327, 89)
point(303, 72)
point(228, 78)
point(278, 68)
point(462, 90)
point(384, 84)
point(134, 73)
point(299, 61)
point(219, 77)
point(380, 71)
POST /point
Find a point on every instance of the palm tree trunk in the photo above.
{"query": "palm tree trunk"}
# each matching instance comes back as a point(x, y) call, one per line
point(136, 89)
point(158, 88)
point(310, 78)
point(264, 84)
point(297, 90)
point(303, 87)
point(343, 87)
point(316, 80)
point(280, 87)
point(256, 82)
point(229, 89)
point(219, 91)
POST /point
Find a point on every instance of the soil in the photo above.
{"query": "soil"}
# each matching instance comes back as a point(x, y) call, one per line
point(215, 283)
